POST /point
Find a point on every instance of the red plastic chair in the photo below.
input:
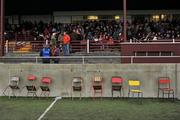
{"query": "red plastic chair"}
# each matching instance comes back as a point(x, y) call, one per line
point(164, 86)
point(31, 89)
point(31, 77)
point(117, 85)
point(45, 88)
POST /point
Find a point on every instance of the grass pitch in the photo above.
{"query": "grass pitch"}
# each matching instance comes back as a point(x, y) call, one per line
point(88, 109)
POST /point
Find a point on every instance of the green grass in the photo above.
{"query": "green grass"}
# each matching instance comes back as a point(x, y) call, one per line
point(22, 108)
point(87, 109)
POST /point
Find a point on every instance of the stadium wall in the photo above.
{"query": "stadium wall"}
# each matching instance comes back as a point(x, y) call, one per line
point(63, 74)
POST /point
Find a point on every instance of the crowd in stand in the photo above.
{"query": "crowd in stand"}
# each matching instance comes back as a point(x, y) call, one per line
point(98, 30)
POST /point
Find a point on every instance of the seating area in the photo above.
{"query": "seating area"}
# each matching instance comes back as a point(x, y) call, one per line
point(97, 85)
point(31, 88)
point(134, 88)
point(77, 86)
point(45, 90)
point(13, 86)
point(164, 87)
point(118, 86)
point(101, 38)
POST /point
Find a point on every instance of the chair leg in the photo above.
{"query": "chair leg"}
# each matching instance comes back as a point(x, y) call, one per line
point(173, 95)
point(5, 90)
point(94, 94)
point(158, 93)
point(163, 94)
point(120, 93)
point(80, 95)
point(128, 94)
point(101, 93)
point(41, 93)
point(142, 94)
point(72, 93)
point(168, 93)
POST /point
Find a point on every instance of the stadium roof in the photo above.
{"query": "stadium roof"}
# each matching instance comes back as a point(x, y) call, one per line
point(48, 6)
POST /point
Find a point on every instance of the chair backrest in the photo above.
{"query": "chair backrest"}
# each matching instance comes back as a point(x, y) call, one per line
point(164, 82)
point(46, 80)
point(77, 81)
point(116, 80)
point(97, 80)
point(14, 81)
point(31, 77)
point(134, 84)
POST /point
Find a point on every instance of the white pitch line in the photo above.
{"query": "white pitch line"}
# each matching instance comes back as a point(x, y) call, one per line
point(50, 106)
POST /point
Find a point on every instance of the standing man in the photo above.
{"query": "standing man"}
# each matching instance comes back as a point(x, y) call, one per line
point(45, 53)
point(66, 43)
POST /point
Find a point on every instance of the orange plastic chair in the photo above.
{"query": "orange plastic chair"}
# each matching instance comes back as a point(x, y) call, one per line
point(117, 85)
point(164, 86)
point(77, 86)
point(97, 85)
point(45, 90)
point(135, 88)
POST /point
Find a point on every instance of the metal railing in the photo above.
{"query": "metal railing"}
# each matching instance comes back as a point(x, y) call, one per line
point(94, 59)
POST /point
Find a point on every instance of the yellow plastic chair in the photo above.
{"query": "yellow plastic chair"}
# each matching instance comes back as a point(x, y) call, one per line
point(135, 88)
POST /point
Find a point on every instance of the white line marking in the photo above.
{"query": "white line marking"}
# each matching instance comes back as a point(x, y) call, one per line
point(57, 98)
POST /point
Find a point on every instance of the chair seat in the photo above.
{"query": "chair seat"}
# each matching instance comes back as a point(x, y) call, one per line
point(14, 87)
point(31, 88)
point(97, 87)
point(45, 88)
point(77, 88)
point(166, 89)
point(136, 91)
point(31, 77)
point(117, 88)
point(46, 80)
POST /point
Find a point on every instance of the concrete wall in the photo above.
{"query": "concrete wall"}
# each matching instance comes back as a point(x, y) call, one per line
point(62, 76)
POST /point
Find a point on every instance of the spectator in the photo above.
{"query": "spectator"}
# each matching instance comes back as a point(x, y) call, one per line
point(73, 35)
point(56, 53)
point(45, 53)
point(66, 44)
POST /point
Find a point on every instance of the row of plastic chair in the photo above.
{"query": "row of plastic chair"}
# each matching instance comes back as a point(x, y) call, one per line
point(116, 82)
point(134, 86)
point(31, 88)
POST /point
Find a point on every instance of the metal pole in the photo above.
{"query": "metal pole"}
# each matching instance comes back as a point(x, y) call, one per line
point(125, 20)
point(2, 29)
point(88, 46)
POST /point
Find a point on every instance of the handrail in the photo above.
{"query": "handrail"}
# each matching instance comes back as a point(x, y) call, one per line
point(80, 59)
